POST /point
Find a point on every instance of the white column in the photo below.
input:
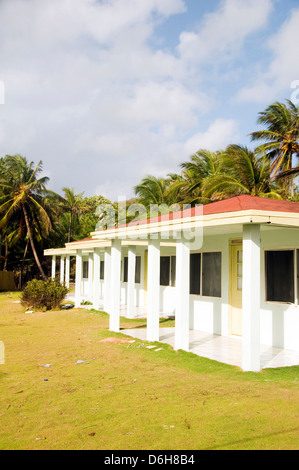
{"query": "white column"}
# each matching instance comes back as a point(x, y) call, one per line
point(67, 271)
point(107, 279)
point(90, 276)
point(182, 296)
point(78, 280)
point(131, 281)
point(115, 285)
point(153, 290)
point(96, 280)
point(62, 258)
point(53, 266)
point(251, 298)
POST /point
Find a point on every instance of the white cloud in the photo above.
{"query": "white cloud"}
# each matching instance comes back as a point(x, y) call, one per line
point(222, 33)
point(283, 68)
point(89, 94)
point(219, 135)
point(63, 21)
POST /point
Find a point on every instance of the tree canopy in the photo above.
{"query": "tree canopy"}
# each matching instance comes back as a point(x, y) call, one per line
point(33, 218)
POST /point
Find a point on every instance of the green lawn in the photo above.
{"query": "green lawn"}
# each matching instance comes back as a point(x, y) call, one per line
point(126, 396)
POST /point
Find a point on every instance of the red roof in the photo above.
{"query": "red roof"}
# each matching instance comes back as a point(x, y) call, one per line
point(234, 204)
point(245, 202)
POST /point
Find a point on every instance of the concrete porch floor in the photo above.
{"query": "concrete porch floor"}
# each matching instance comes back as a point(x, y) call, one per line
point(223, 349)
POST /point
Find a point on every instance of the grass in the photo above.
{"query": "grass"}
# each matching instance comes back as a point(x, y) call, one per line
point(126, 396)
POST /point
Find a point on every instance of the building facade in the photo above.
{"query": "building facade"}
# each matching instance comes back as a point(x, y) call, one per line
point(229, 268)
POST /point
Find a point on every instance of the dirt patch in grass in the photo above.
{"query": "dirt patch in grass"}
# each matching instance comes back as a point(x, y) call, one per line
point(114, 340)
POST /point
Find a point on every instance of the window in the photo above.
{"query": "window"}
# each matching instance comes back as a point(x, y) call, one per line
point(172, 270)
point(102, 269)
point(137, 269)
point(280, 282)
point(164, 270)
point(126, 266)
point(85, 270)
point(211, 274)
point(167, 270)
point(205, 274)
point(195, 270)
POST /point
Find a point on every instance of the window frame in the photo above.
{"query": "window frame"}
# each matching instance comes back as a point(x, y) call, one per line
point(171, 270)
point(201, 252)
point(85, 269)
point(102, 270)
point(295, 251)
point(125, 269)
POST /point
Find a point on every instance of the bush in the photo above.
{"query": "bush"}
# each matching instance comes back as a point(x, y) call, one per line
point(43, 294)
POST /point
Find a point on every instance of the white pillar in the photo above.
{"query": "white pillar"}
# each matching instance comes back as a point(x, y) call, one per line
point(62, 258)
point(182, 296)
point(131, 281)
point(67, 271)
point(251, 298)
point(90, 276)
point(53, 266)
point(153, 290)
point(78, 280)
point(96, 280)
point(115, 285)
point(107, 279)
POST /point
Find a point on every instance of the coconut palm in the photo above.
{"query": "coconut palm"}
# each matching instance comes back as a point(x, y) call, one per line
point(152, 190)
point(24, 200)
point(73, 204)
point(240, 171)
point(202, 164)
point(281, 138)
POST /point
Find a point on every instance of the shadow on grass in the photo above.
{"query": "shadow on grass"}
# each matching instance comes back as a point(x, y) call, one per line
point(252, 439)
point(142, 323)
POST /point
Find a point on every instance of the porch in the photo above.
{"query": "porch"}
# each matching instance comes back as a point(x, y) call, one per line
point(225, 349)
point(235, 273)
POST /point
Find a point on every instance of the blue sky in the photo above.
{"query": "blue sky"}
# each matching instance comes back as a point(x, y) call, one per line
point(106, 92)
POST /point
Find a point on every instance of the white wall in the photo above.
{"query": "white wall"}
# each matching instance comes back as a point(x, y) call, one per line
point(279, 321)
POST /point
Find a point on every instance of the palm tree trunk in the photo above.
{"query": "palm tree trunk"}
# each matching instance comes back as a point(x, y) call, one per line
point(32, 243)
point(70, 229)
point(22, 264)
point(6, 254)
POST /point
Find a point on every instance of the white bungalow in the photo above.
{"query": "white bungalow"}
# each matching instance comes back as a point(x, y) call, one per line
point(228, 271)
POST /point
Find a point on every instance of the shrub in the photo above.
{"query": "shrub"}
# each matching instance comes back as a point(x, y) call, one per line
point(43, 294)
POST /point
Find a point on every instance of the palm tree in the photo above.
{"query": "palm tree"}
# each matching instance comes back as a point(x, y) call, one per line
point(240, 171)
point(24, 200)
point(202, 164)
point(152, 190)
point(281, 138)
point(73, 204)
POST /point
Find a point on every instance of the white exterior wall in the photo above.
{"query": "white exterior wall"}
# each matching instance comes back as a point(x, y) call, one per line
point(211, 314)
point(279, 322)
point(138, 294)
point(139, 288)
